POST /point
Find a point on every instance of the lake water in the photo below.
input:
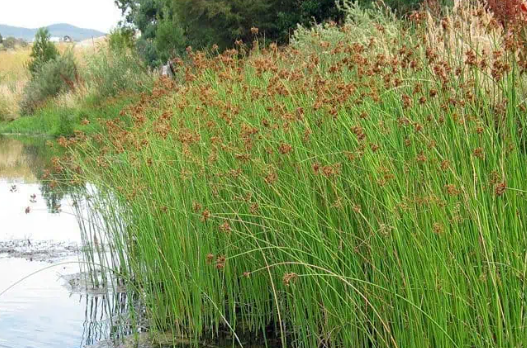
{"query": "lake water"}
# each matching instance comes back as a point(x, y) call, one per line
point(39, 239)
point(43, 298)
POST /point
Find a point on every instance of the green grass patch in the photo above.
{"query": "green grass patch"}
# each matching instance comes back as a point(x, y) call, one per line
point(55, 121)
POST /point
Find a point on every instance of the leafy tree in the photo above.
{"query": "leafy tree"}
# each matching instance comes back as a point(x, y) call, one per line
point(43, 51)
point(222, 22)
point(169, 37)
point(1, 39)
point(9, 43)
point(168, 26)
point(122, 39)
point(290, 13)
point(143, 15)
point(148, 52)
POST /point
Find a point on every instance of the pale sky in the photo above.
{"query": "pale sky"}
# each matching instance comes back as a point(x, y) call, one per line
point(92, 14)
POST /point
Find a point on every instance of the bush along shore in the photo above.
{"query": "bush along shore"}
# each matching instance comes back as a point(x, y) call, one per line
point(362, 187)
point(57, 91)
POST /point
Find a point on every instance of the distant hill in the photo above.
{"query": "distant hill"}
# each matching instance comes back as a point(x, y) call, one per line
point(56, 30)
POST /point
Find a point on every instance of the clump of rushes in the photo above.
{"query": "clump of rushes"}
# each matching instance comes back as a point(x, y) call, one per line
point(359, 188)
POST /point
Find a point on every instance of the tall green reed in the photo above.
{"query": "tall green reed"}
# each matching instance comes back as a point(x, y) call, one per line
point(362, 191)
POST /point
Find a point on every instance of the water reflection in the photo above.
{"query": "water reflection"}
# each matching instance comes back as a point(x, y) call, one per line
point(27, 160)
point(30, 208)
point(39, 234)
point(17, 161)
point(42, 311)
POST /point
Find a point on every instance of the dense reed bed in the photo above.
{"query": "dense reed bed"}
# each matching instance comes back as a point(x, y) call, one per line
point(364, 187)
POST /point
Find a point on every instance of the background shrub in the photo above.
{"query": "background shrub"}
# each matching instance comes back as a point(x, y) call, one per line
point(55, 76)
point(121, 39)
point(43, 51)
point(9, 43)
point(5, 109)
point(110, 72)
point(169, 26)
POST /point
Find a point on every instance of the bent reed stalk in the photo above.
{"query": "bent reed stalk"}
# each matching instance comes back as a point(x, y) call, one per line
point(359, 188)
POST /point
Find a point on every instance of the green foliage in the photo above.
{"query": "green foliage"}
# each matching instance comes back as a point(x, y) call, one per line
point(110, 72)
point(54, 77)
point(67, 120)
point(122, 39)
point(146, 49)
point(43, 51)
point(44, 122)
point(169, 38)
point(355, 190)
point(222, 22)
point(161, 32)
point(10, 43)
point(56, 120)
point(306, 13)
point(169, 26)
point(404, 7)
point(1, 39)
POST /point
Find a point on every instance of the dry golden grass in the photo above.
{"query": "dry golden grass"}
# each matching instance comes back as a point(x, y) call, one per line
point(14, 74)
point(470, 36)
point(468, 27)
point(13, 77)
point(10, 95)
point(13, 161)
point(13, 65)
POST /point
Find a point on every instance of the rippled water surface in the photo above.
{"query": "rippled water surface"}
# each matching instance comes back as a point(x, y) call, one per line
point(43, 298)
point(39, 238)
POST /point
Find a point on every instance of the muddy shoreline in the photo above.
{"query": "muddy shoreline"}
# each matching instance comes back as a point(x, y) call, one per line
point(41, 251)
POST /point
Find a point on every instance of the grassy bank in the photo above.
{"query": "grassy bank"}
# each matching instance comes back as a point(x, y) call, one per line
point(364, 187)
point(14, 75)
point(58, 120)
point(103, 81)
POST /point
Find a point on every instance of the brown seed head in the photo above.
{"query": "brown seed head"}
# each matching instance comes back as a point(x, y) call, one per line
point(289, 278)
point(445, 165)
point(205, 215)
point(196, 206)
point(271, 178)
point(285, 148)
point(225, 227)
point(479, 153)
point(316, 168)
point(452, 190)
point(438, 228)
point(421, 158)
point(500, 188)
